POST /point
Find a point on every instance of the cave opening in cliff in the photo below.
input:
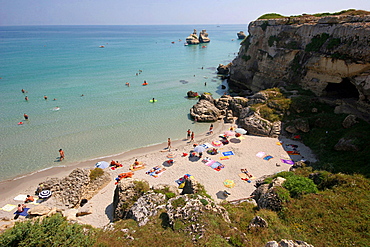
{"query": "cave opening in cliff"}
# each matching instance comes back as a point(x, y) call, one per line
point(344, 89)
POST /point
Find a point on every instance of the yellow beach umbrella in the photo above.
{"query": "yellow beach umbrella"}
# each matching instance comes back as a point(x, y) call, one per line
point(229, 183)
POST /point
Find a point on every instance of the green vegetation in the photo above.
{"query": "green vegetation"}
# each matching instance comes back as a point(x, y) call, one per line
point(317, 42)
point(246, 58)
point(333, 43)
point(95, 173)
point(270, 16)
point(298, 186)
point(53, 231)
point(264, 25)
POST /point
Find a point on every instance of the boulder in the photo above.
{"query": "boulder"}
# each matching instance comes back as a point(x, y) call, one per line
point(192, 94)
point(70, 214)
point(146, 206)
point(84, 210)
point(203, 37)
point(258, 222)
point(254, 123)
point(266, 197)
point(125, 195)
point(223, 69)
point(349, 121)
point(241, 35)
point(346, 145)
point(205, 111)
point(193, 39)
point(302, 125)
point(39, 210)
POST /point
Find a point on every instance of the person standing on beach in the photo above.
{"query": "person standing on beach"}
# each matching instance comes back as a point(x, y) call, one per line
point(211, 129)
point(61, 152)
point(169, 143)
point(25, 116)
point(189, 133)
point(192, 136)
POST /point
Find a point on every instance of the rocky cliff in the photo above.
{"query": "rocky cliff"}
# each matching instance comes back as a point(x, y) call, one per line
point(328, 55)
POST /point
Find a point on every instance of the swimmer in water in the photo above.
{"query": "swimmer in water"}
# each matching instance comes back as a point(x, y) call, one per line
point(25, 116)
point(26, 98)
point(45, 97)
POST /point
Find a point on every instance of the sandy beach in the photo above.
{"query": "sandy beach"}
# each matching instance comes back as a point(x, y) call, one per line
point(248, 153)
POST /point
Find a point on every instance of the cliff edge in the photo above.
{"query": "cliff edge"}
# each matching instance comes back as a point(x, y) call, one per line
point(328, 55)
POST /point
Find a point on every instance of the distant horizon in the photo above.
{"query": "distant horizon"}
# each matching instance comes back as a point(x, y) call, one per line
point(160, 12)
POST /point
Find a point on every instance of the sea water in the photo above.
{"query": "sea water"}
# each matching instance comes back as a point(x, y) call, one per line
point(98, 114)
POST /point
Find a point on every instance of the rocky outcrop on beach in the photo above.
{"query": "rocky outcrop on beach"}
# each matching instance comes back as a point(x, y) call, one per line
point(241, 35)
point(223, 69)
point(266, 197)
point(326, 55)
point(243, 109)
point(70, 190)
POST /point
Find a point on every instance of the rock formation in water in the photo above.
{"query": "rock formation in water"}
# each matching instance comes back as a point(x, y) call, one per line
point(194, 39)
point(328, 55)
point(241, 35)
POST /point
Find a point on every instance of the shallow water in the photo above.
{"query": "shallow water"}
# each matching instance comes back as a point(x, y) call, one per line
point(64, 62)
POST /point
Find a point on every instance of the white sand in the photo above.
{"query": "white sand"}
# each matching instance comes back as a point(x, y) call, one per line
point(245, 157)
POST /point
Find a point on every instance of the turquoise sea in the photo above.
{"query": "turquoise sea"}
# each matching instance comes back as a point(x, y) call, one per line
point(65, 62)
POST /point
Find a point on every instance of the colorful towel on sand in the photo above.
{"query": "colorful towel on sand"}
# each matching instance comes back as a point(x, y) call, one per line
point(8, 207)
point(224, 157)
point(20, 198)
point(156, 171)
point(217, 166)
point(24, 213)
point(268, 157)
point(227, 153)
point(182, 179)
point(260, 154)
point(290, 162)
point(241, 137)
point(210, 162)
point(293, 152)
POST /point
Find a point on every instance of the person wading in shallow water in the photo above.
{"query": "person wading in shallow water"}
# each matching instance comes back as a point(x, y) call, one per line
point(61, 152)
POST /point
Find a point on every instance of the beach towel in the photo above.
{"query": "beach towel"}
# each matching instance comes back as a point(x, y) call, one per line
point(268, 157)
point(20, 198)
point(241, 137)
point(279, 143)
point(156, 171)
point(227, 153)
point(260, 154)
point(224, 157)
point(24, 213)
point(290, 162)
point(8, 207)
point(293, 152)
point(211, 162)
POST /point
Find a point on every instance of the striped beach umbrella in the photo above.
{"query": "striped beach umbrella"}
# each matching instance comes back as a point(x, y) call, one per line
point(45, 194)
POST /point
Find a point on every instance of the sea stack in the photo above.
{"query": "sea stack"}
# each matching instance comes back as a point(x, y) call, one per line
point(192, 39)
point(203, 37)
point(241, 35)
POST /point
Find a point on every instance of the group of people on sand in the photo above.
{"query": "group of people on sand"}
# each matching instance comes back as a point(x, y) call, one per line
point(115, 164)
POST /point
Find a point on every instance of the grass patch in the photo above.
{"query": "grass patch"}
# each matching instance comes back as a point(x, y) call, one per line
point(96, 173)
point(317, 42)
point(270, 16)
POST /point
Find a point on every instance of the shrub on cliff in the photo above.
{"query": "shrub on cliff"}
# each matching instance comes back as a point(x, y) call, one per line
point(53, 231)
point(297, 186)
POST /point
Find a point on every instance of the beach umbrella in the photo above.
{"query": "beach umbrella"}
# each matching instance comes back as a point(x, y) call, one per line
point(171, 155)
point(241, 131)
point(229, 133)
point(102, 164)
point(199, 149)
point(45, 194)
point(229, 183)
point(217, 143)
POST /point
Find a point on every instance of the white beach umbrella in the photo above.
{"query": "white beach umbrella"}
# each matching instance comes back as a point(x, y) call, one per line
point(199, 149)
point(45, 194)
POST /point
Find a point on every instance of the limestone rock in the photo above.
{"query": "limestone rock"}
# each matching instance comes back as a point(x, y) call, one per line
point(258, 222)
point(266, 197)
point(241, 35)
point(346, 145)
point(302, 125)
point(39, 210)
point(193, 39)
point(125, 195)
point(205, 111)
point(291, 129)
point(223, 69)
point(166, 187)
point(146, 206)
point(349, 121)
point(281, 51)
point(203, 37)
point(70, 214)
point(84, 210)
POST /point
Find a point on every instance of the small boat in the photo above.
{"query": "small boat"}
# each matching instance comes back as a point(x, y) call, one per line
point(102, 46)
point(204, 46)
point(173, 42)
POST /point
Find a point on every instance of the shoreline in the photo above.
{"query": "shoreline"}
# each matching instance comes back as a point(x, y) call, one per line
point(245, 156)
point(10, 186)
